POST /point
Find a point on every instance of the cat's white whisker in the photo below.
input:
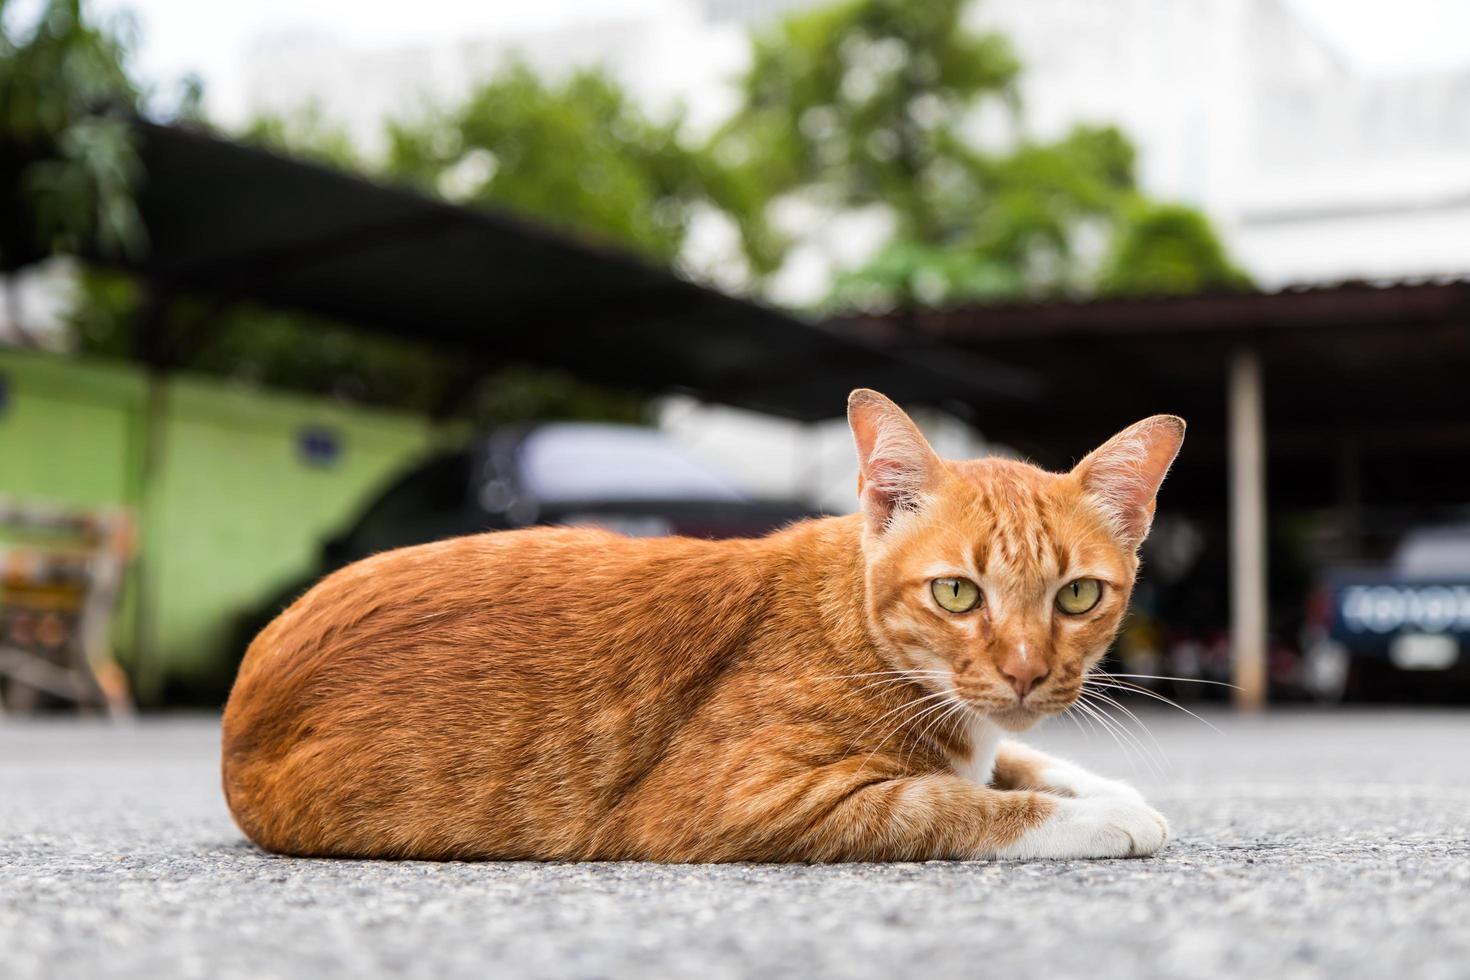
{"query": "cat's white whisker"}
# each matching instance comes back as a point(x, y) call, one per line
point(1155, 758)
point(1158, 750)
point(1164, 677)
point(934, 713)
point(902, 707)
point(1067, 714)
point(953, 717)
point(1094, 721)
point(903, 722)
point(880, 673)
point(949, 713)
point(1089, 713)
point(1139, 689)
point(1134, 742)
point(890, 682)
point(1114, 728)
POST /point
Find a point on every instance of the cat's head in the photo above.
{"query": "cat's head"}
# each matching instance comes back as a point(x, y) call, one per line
point(993, 580)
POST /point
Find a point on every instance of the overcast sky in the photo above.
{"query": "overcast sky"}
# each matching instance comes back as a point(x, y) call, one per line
point(211, 38)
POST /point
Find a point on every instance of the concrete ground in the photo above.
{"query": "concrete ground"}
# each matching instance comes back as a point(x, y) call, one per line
point(1307, 845)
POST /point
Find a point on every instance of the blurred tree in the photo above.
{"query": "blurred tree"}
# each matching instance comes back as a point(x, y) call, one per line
point(863, 102)
point(307, 133)
point(117, 312)
point(1025, 219)
point(580, 156)
point(65, 97)
point(870, 103)
point(883, 103)
point(302, 352)
point(1166, 249)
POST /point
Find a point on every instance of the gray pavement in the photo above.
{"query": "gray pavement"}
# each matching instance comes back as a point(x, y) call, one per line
point(1306, 845)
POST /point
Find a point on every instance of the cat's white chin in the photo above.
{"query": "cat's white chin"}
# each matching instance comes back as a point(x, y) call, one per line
point(1015, 719)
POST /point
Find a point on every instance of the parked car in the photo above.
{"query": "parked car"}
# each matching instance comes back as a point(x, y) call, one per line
point(625, 478)
point(1399, 632)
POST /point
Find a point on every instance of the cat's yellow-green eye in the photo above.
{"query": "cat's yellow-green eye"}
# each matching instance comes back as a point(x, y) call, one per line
point(956, 595)
point(1079, 596)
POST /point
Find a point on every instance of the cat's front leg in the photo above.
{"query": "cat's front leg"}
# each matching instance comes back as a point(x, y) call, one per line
point(1090, 827)
point(1019, 766)
point(1093, 812)
point(945, 816)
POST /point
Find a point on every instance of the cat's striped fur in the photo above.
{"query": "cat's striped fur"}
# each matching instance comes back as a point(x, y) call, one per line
point(572, 694)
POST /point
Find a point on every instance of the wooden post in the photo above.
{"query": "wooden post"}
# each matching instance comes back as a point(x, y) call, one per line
point(1247, 530)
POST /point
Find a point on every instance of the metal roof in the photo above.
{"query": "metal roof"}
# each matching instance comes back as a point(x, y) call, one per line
point(242, 223)
point(1328, 305)
point(1367, 385)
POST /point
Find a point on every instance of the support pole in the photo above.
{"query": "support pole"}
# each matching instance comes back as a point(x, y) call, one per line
point(1247, 531)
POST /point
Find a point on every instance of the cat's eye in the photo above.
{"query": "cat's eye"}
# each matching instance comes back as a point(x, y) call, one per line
point(1079, 595)
point(957, 595)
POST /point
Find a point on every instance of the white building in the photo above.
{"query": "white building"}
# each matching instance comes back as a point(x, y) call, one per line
point(1315, 162)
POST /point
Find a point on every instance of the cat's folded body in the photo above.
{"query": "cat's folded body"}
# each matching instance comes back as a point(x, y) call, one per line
point(835, 691)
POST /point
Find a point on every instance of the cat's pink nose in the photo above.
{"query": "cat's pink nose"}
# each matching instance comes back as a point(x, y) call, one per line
point(1023, 672)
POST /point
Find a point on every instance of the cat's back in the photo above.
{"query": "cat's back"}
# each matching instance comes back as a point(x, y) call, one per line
point(486, 654)
point(489, 592)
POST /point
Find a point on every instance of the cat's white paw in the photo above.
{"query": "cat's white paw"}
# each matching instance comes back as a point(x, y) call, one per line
point(1065, 779)
point(1093, 827)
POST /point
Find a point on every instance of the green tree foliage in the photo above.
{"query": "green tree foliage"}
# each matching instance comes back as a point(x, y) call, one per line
point(864, 102)
point(1165, 249)
point(552, 134)
point(580, 156)
point(868, 103)
point(1019, 229)
point(883, 102)
point(121, 316)
point(65, 95)
point(307, 133)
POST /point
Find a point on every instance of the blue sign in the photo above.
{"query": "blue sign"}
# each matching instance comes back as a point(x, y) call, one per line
point(319, 446)
point(1380, 606)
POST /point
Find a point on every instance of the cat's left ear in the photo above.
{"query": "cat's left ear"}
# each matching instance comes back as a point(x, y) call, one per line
point(1123, 474)
point(896, 466)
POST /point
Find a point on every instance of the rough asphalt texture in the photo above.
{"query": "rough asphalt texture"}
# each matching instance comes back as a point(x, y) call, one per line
point(1305, 845)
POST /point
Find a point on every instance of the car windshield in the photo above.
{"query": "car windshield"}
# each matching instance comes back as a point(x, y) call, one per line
point(577, 462)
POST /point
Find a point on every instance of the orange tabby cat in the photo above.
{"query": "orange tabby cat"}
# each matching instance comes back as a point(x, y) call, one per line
point(837, 691)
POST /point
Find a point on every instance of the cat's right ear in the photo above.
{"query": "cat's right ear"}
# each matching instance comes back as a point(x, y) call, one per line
point(896, 466)
point(1124, 473)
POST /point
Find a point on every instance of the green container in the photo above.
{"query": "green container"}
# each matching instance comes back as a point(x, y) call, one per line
point(234, 489)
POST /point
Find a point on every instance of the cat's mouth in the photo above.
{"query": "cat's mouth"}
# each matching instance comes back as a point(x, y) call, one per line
point(1000, 705)
point(1017, 716)
point(1012, 715)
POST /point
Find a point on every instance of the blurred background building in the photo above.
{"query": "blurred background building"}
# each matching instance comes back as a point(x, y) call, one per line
point(1325, 143)
point(1148, 205)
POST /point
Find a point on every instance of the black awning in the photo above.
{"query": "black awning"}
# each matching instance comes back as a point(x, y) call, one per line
point(243, 223)
point(1366, 390)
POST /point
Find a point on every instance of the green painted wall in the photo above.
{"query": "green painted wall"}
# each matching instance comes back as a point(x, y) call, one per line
point(237, 511)
point(70, 431)
point(231, 508)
